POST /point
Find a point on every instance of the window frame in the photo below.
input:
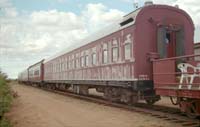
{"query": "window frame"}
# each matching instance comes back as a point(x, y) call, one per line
point(128, 41)
point(86, 60)
point(94, 61)
point(82, 59)
point(115, 45)
point(125, 51)
point(77, 61)
point(105, 51)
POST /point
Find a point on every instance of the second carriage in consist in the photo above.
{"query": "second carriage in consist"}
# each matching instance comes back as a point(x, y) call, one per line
point(36, 72)
point(134, 59)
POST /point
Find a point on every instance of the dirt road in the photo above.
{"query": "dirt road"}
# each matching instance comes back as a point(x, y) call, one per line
point(38, 108)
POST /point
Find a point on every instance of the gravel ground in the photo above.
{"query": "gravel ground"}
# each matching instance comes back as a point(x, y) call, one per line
point(38, 108)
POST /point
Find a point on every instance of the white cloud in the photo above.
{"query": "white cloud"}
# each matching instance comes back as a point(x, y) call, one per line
point(5, 4)
point(10, 12)
point(98, 15)
point(169, 2)
point(7, 8)
point(28, 38)
point(56, 19)
point(191, 7)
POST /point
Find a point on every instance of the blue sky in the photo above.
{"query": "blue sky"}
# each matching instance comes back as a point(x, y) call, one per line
point(35, 29)
point(69, 5)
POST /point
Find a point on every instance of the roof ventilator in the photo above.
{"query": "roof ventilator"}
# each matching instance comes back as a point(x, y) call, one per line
point(147, 3)
point(126, 22)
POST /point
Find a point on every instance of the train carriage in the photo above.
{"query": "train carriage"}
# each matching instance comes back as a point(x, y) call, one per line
point(120, 57)
point(144, 56)
point(117, 60)
point(36, 73)
point(23, 76)
point(108, 62)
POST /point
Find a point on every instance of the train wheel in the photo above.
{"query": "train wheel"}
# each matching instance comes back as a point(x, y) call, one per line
point(191, 110)
point(76, 89)
point(175, 100)
point(112, 94)
point(126, 99)
point(83, 90)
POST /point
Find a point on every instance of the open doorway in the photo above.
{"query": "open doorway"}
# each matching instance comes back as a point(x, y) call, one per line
point(170, 42)
point(170, 39)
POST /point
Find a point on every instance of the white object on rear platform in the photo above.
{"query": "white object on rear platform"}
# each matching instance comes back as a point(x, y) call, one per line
point(185, 74)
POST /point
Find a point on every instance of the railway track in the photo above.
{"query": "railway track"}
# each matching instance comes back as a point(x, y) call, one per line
point(166, 113)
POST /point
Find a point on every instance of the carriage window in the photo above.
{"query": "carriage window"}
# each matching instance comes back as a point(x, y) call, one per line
point(94, 57)
point(87, 60)
point(36, 72)
point(70, 64)
point(32, 73)
point(82, 61)
point(77, 63)
point(77, 60)
point(55, 67)
point(105, 53)
point(105, 56)
point(114, 54)
point(127, 47)
point(73, 64)
point(115, 50)
point(62, 66)
point(67, 64)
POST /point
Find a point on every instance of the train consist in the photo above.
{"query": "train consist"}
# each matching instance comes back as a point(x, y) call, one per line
point(148, 54)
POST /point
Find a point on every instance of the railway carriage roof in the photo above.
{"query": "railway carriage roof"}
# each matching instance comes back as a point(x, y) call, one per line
point(99, 34)
point(123, 23)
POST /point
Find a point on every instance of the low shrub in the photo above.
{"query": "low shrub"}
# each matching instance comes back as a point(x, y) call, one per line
point(5, 101)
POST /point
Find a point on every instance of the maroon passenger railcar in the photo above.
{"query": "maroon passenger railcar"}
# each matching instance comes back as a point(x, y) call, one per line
point(36, 72)
point(143, 56)
point(117, 61)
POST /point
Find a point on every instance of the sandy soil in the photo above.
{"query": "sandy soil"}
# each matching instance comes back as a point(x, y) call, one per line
point(166, 102)
point(38, 108)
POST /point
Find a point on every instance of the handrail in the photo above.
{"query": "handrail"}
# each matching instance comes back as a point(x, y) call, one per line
point(173, 58)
